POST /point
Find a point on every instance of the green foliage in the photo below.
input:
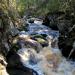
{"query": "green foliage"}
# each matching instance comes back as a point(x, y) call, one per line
point(36, 7)
point(41, 7)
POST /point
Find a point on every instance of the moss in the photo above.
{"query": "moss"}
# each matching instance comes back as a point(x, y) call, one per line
point(43, 36)
point(40, 40)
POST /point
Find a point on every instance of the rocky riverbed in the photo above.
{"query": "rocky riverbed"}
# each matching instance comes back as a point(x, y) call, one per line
point(47, 59)
point(36, 52)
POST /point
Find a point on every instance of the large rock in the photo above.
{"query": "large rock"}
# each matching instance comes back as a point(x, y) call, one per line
point(41, 39)
point(31, 20)
point(66, 45)
point(15, 67)
point(51, 19)
point(66, 38)
point(26, 41)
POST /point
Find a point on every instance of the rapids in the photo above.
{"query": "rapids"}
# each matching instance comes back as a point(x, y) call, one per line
point(49, 61)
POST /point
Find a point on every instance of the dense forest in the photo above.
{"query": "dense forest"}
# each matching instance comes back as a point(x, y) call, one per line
point(16, 16)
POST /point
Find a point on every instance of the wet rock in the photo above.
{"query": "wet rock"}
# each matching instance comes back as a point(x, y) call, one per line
point(51, 19)
point(54, 43)
point(66, 38)
point(16, 67)
point(38, 21)
point(31, 20)
point(26, 41)
point(14, 31)
point(30, 58)
point(14, 44)
point(41, 39)
point(43, 42)
point(43, 36)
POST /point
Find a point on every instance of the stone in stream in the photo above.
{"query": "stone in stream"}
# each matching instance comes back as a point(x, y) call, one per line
point(26, 41)
point(31, 20)
point(41, 38)
point(16, 67)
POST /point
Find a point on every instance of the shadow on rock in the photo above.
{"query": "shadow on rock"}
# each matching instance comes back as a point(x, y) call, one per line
point(15, 66)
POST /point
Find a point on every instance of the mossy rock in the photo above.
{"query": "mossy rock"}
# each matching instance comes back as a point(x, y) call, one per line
point(43, 36)
point(42, 42)
point(40, 39)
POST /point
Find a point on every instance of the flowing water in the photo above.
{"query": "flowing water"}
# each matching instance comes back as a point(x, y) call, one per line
point(49, 60)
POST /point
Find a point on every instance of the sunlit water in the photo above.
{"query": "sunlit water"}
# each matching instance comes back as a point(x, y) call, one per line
point(48, 61)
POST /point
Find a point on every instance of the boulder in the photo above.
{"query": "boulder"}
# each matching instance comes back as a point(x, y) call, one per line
point(43, 42)
point(26, 41)
point(66, 45)
point(66, 38)
point(31, 20)
point(41, 39)
point(51, 19)
point(16, 67)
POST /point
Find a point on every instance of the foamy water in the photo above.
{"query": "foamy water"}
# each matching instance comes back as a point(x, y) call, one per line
point(48, 61)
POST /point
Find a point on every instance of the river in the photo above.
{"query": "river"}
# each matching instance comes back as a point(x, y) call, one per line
point(49, 61)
